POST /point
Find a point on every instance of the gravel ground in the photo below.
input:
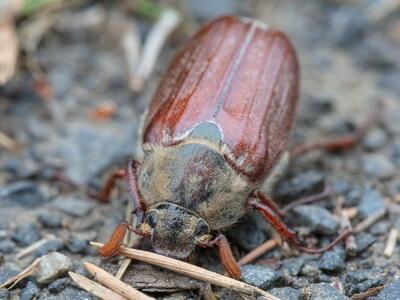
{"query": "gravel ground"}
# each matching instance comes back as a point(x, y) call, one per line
point(350, 58)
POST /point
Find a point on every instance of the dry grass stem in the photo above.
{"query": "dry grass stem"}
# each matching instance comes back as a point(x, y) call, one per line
point(258, 251)
point(94, 288)
point(114, 284)
point(28, 250)
point(370, 293)
point(391, 242)
point(8, 50)
point(166, 24)
point(5, 141)
point(32, 268)
point(367, 222)
point(350, 212)
point(192, 271)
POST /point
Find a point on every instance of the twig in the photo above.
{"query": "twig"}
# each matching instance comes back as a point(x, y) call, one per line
point(94, 288)
point(115, 284)
point(350, 212)
point(370, 293)
point(131, 45)
point(28, 250)
point(350, 241)
point(192, 271)
point(166, 24)
point(391, 242)
point(308, 199)
point(367, 222)
point(32, 268)
point(7, 143)
point(258, 251)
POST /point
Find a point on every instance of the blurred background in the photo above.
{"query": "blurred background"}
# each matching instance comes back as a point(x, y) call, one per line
point(76, 77)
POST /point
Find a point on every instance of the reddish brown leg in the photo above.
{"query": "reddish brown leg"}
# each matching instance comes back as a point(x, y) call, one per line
point(288, 235)
point(134, 191)
point(225, 254)
point(343, 142)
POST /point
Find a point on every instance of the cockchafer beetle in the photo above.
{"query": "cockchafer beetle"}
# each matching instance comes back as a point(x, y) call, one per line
point(218, 124)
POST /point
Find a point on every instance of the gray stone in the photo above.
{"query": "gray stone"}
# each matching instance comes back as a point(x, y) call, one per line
point(53, 266)
point(286, 293)
point(292, 266)
point(348, 26)
point(261, 276)
point(207, 9)
point(316, 218)
point(303, 184)
point(377, 53)
point(364, 241)
point(26, 235)
point(49, 246)
point(50, 220)
point(6, 273)
point(30, 291)
point(321, 291)
point(378, 165)
point(371, 202)
point(77, 245)
point(333, 261)
point(74, 207)
point(374, 139)
point(23, 193)
point(311, 271)
point(4, 294)
point(390, 292)
point(58, 285)
point(7, 246)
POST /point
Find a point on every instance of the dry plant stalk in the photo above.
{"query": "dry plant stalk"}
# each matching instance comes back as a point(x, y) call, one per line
point(166, 24)
point(391, 242)
point(5, 141)
point(192, 271)
point(28, 250)
point(370, 293)
point(94, 288)
point(114, 284)
point(367, 222)
point(32, 268)
point(350, 213)
point(8, 50)
point(258, 251)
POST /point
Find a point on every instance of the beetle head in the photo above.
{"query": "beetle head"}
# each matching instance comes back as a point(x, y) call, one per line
point(175, 231)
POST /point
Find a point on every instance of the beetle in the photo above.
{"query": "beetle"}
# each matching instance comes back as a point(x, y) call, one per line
point(215, 131)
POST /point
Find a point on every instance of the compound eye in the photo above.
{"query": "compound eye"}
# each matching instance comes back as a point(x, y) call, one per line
point(152, 220)
point(201, 229)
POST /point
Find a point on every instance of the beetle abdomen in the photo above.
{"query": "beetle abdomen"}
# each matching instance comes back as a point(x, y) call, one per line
point(239, 76)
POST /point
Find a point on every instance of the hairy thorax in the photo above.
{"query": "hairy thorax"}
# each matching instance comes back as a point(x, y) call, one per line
point(194, 175)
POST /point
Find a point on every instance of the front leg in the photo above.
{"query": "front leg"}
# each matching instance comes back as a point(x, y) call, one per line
point(115, 241)
point(225, 255)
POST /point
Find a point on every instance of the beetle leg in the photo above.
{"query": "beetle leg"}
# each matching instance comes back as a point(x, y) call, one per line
point(273, 218)
point(225, 254)
point(134, 191)
point(110, 248)
point(343, 142)
point(267, 202)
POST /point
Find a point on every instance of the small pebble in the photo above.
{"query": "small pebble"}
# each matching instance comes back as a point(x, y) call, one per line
point(30, 291)
point(6, 273)
point(7, 246)
point(390, 292)
point(371, 202)
point(74, 207)
point(49, 246)
point(304, 184)
point(50, 220)
point(364, 241)
point(261, 276)
point(390, 81)
point(23, 193)
point(321, 291)
point(374, 139)
point(26, 235)
point(333, 261)
point(379, 166)
point(4, 294)
point(58, 285)
point(292, 266)
point(376, 53)
point(348, 26)
point(77, 245)
point(286, 293)
point(315, 218)
point(53, 266)
point(311, 271)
